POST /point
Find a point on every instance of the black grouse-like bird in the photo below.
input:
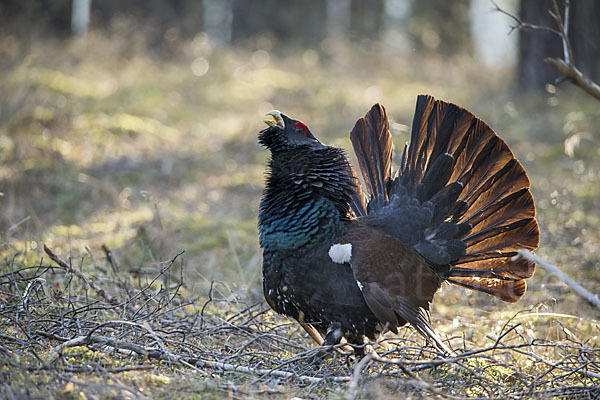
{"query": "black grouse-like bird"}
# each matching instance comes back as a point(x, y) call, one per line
point(346, 265)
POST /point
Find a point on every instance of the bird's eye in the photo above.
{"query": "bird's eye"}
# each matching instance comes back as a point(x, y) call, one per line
point(300, 128)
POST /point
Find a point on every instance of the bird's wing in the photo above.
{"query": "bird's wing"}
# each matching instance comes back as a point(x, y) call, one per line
point(396, 282)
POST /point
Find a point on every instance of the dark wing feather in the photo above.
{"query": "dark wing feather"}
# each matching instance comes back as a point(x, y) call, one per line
point(382, 305)
point(397, 284)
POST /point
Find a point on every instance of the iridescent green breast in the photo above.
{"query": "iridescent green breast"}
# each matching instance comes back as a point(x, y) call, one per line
point(300, 226)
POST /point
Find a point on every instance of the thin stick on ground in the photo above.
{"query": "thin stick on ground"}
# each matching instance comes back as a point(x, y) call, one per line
point(577, 288)
point(99, 291)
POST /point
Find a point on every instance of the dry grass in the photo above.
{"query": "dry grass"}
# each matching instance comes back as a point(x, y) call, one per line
point(118, 157)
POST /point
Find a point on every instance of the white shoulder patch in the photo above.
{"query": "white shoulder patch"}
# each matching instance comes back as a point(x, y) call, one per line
point(360, 285)
point(340, 253)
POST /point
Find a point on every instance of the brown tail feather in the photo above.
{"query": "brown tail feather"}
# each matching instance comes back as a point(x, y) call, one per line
point(358, 207)
point(510, 291)
point(373, 146)
point(495, 199)
point(503, 209)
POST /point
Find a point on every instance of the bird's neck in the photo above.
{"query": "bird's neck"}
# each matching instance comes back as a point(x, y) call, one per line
point(306, 199)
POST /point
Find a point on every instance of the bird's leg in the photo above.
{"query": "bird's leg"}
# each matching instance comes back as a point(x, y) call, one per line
point(358, 340)
point(334, 334)
point(332, 337)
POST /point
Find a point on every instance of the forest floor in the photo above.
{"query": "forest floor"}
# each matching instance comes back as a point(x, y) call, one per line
point(140, 170)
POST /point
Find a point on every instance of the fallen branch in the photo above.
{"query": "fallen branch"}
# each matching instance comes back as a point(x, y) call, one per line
point(99, 291)
point(194, 363)
point(262, 371)
point(575, 76)
point(577, 288)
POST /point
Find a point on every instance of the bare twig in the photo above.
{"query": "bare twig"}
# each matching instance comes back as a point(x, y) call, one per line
point(353, 386)
point(564, 27)
point(521, 25)
point(261, 371)
point(418, 381)
point(575, 76)
point(111, 259)
point(28, 291)
point(99, 291)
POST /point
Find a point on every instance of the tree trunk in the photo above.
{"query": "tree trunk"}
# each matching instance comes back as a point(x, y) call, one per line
point(584, 34)
point(441, 26)
point(291, 21)
point(536, 45)
point(80, 17)
point(366, 18)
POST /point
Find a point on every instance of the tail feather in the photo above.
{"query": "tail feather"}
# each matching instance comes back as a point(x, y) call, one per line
point(507, 238)
point(497, 266)
point(468, 146)
point(459, 166)
point(510, 291)
point(493, 233)
point(506, 213)
point(373, 145)
point(444, 132)
point(498, 207)
point(436, 177)
point(507, 180)
point(495, 201)
point(419, 140)
point(358, 206)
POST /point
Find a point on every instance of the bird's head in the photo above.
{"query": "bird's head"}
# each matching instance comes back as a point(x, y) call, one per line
point(286, 133)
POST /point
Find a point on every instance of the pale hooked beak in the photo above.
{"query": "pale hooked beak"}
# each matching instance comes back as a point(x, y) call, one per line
point(275, 119)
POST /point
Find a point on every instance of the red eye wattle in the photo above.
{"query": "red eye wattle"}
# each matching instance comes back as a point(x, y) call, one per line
point(301, 126)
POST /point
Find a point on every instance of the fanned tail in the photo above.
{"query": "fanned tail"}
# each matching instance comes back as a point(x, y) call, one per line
point(494, 210)
point(466, 196)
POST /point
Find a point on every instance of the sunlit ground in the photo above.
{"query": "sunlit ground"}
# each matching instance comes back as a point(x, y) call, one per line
point(148, 152)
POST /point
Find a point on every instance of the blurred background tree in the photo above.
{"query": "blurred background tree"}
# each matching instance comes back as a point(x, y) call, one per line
point(443, 27)
point(536, 45)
